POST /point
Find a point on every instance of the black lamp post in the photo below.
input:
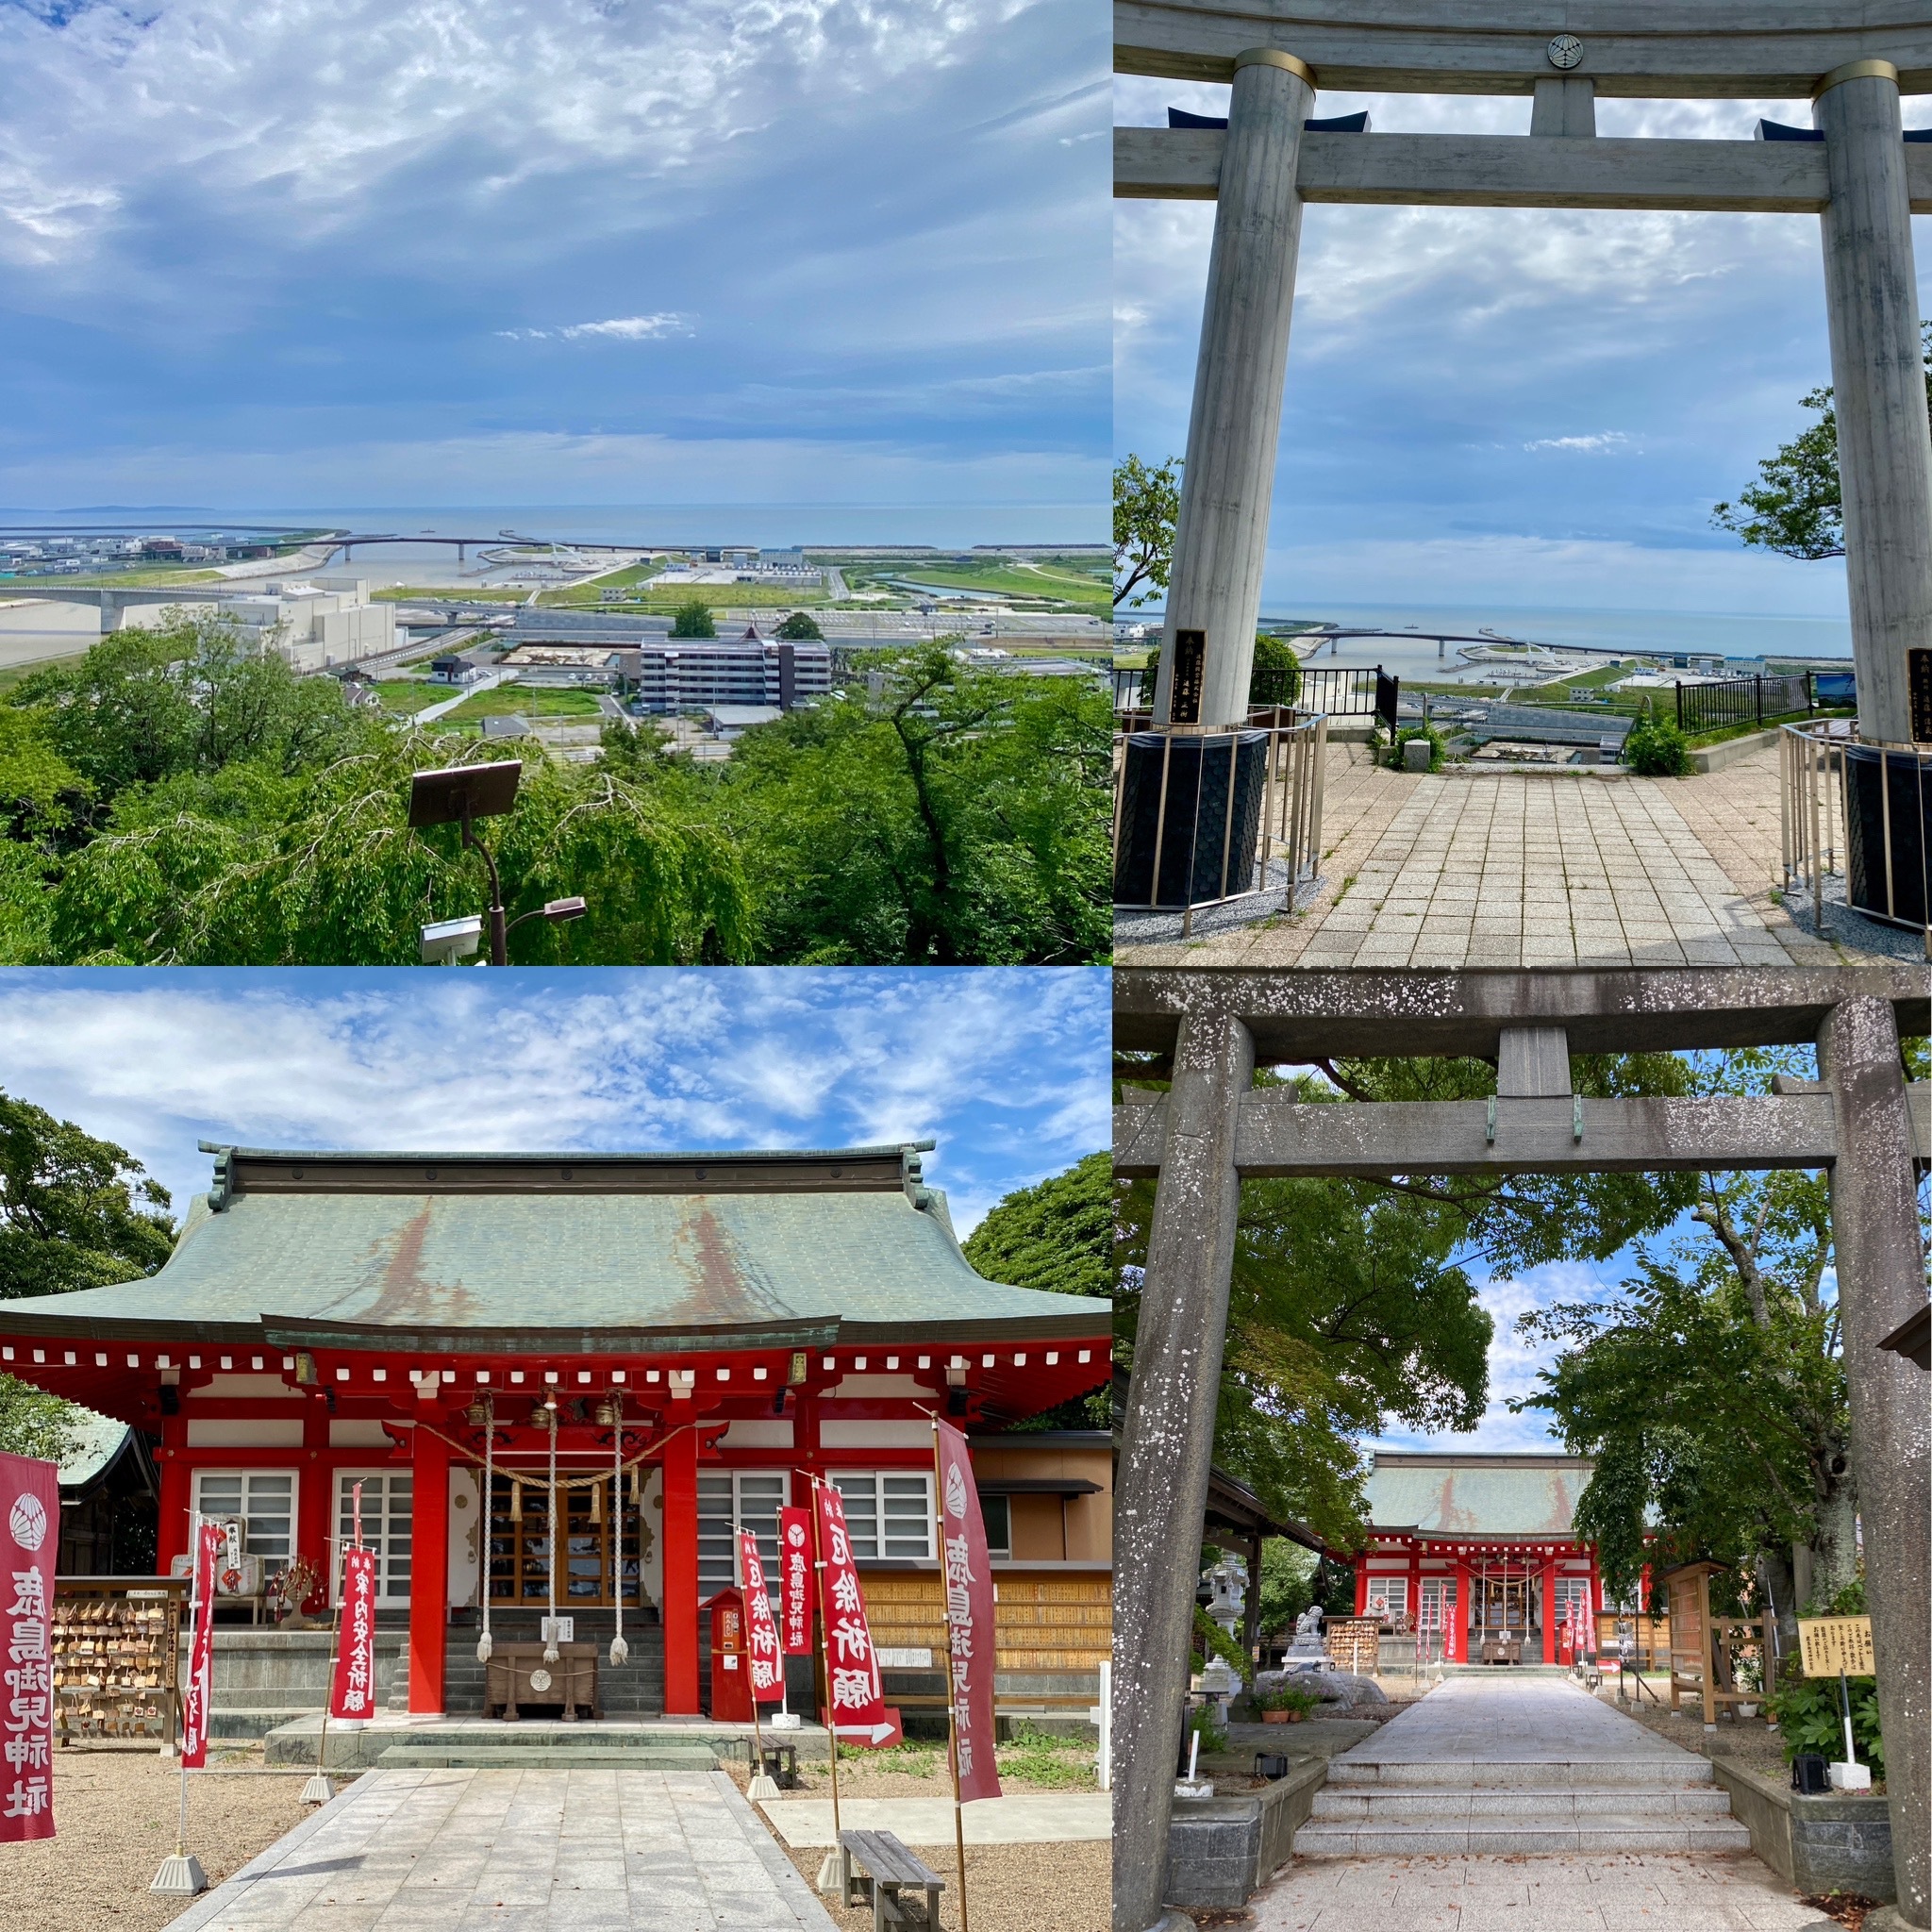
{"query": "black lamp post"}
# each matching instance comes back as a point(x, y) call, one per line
point(461, 794)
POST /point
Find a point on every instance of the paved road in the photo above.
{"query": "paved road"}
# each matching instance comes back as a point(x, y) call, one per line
point(523, 1850)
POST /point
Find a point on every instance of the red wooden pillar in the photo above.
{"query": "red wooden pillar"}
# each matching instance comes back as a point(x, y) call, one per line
point(1549, 1609)
point(1457, 1648)
point(176, 1497)
point(1415, 1594)
point(315, 1505)
point(429, 1571)
point(681, 1574)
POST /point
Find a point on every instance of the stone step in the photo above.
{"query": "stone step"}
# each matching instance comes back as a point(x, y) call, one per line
point(1640, 1773)
point(1581, 1805)
point(1608, 1832)
point(548, 1757)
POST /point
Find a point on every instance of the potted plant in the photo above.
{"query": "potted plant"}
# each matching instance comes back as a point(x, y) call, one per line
point(1283, 1706)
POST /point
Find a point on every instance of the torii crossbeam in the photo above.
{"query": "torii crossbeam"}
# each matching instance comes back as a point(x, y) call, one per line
point(1210, 1029)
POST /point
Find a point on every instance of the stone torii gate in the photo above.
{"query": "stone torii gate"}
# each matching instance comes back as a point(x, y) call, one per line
point(1853, 169)
point(1212, 1027)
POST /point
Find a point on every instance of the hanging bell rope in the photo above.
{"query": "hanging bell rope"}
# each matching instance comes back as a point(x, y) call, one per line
point(619, 1650)
point(484, 1646)
point(551, 1652)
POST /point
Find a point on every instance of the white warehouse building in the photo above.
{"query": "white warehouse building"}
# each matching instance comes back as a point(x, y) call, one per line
point(317, 623)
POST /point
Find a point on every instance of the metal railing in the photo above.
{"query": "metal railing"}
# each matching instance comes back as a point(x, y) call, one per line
point(1289, 832)
point(1815, 799)
point(1730, 701)
point(1340, 690)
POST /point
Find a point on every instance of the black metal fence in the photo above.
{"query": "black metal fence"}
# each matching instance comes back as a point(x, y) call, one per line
point(1334, 690)
point(1743, 701)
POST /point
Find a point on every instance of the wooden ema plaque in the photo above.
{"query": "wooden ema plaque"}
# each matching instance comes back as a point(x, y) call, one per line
point(1829, 1645)
point(1353, 1643)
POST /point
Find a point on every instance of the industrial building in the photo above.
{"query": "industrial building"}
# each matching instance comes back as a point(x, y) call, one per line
point(696, 674)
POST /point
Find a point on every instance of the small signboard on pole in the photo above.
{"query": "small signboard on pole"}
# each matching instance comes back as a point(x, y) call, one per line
point(1836, 1646)
point(1841, 1645)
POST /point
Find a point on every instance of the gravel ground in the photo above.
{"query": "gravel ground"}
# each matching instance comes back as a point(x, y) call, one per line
point(1750, 1741)
point(1030, 1888)
point(116, 1813)
point(1010, 1887)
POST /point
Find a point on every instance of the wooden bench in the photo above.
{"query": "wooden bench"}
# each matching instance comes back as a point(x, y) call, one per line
point(882, 1874)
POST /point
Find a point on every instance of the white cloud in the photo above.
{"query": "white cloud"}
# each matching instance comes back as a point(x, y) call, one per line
point(1514, 1363)
point(626, 328)
point(1603, 442)
point(1006, 1067)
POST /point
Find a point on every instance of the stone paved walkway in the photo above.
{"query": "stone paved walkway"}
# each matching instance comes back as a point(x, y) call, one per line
point(521, 1851)
point(1534, 1735)
point(1517, 869)
point(1630, 1893)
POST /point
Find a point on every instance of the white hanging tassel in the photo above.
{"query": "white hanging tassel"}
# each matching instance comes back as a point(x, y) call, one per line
point(484, 1646)
point(619, 1650)
point(551, 1652)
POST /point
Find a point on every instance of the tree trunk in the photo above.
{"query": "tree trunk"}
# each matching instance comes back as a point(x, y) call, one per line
point(1835, 1556)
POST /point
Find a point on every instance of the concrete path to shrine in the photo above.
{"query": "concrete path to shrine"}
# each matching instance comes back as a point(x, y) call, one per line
point(1518, 869)
point(521, 1851)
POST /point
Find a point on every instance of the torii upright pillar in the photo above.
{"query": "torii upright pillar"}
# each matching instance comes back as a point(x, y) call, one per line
point(1885, 451)
point(1227, 487)
point(1881, 1278)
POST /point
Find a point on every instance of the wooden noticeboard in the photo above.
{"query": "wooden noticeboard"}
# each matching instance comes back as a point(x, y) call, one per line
point(1829, 1645)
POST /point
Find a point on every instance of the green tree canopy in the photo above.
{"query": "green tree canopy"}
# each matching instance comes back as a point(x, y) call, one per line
point(1057, 1234)
point(74, 1211)
point(1352, 1305)
point(800, 624)
point(937, 815)
point(1796, 507)
point(1709, 1387)
point(693, 619)
point(1146, 507)
point(177, 798)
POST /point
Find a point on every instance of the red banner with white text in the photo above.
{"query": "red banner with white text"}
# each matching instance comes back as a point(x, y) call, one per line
point(352, 1697)
point(852, 1669)
point(967, 1573)
point(209, 1545)
point(795, 1581)
point(761, 1634)
point(30, 1493)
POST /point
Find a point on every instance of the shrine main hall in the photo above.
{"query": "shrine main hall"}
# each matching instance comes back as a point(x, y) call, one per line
point(702, 1333)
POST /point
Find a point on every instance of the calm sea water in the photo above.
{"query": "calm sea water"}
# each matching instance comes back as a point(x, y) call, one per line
point(1733, 634)
point(774, 525)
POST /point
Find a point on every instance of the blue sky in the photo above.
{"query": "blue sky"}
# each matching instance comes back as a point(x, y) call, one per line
point(313, 252)
point(1006, 1068)
point(1505, 407)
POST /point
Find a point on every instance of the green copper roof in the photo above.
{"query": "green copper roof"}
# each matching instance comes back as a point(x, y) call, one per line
point(1477, 1494)
point(455, 1250)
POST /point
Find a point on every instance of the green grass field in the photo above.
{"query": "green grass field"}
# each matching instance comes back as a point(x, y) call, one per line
point(158, 579)
point(527, 701)
point(1045, 581)
point(409, 693)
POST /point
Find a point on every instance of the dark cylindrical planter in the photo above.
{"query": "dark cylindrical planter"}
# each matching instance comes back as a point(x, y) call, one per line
point(1887, 790)
point(1208, 828)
